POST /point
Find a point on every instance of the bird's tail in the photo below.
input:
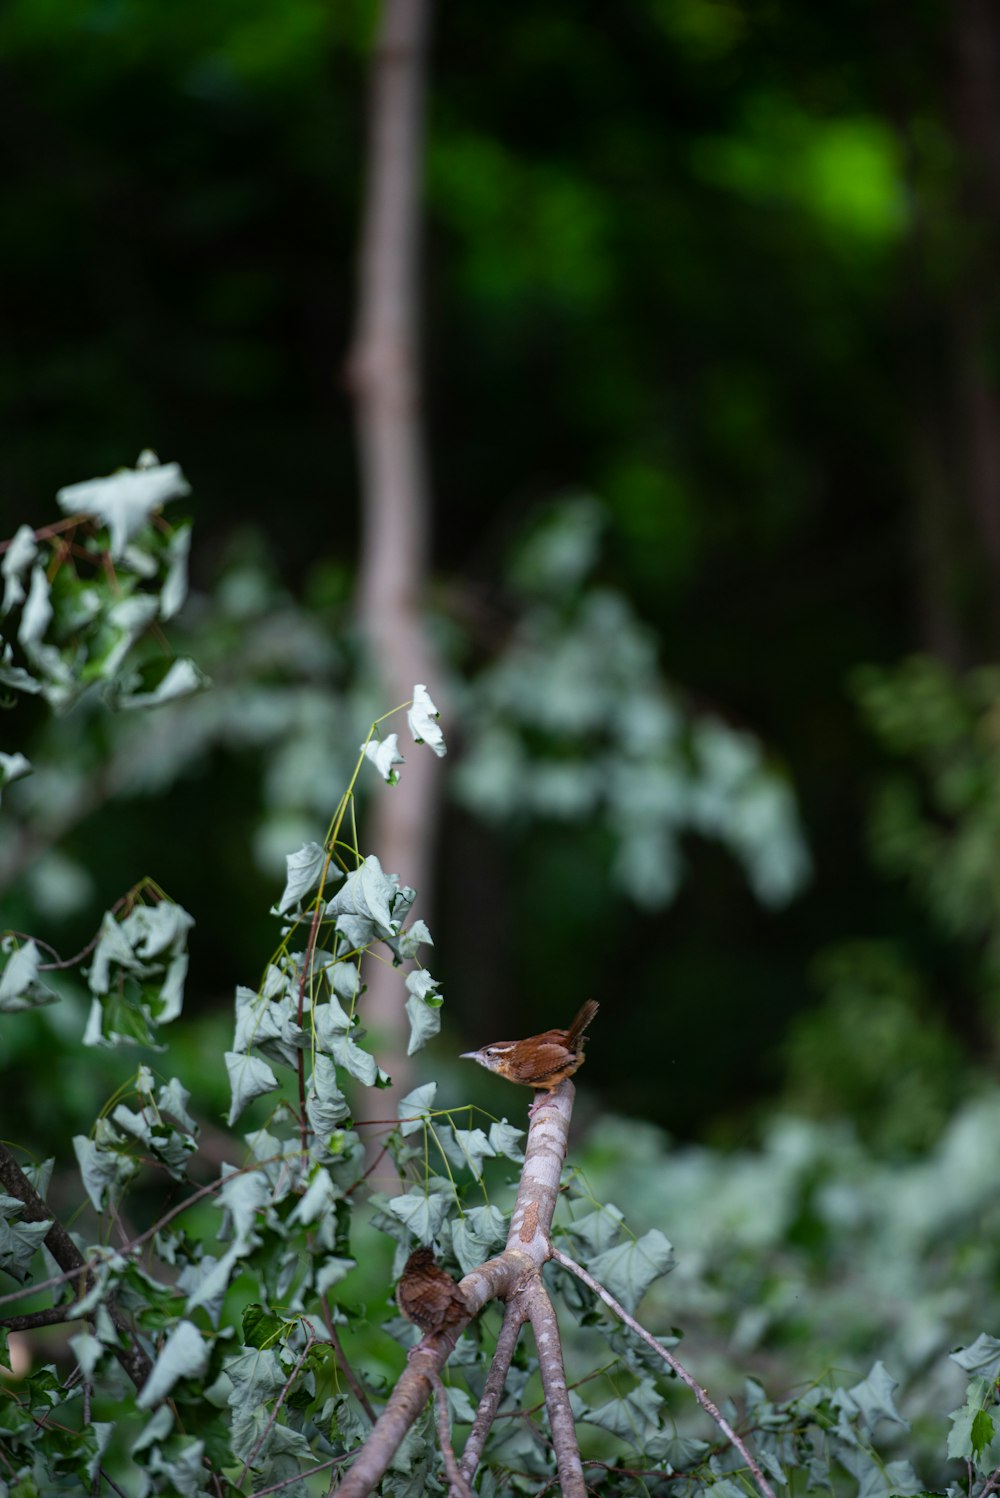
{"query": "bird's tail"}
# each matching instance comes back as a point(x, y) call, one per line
point(574, 1034)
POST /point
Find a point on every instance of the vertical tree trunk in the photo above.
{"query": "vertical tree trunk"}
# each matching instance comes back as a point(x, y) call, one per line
point(384, 376)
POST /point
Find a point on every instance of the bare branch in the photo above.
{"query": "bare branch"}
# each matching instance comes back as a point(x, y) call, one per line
point(457, 1482)
point(496, 1380)
point(550, 1366)
point(703, 1398)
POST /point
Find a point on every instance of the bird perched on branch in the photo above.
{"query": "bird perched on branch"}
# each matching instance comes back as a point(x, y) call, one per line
point(427, 1295)
point(541, 1061)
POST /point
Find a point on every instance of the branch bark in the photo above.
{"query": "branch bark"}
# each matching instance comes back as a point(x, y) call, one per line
point(503, 1277)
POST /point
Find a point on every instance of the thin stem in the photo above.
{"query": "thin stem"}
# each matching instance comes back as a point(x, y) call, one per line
point(455, 1478)
point(703, 1398)
point(355, 1385)
point(310, 1342)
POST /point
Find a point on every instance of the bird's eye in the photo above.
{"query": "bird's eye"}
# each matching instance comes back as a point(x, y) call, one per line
point(491, 1050)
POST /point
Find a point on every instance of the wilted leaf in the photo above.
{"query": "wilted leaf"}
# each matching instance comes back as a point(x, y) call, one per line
point(185, 1355)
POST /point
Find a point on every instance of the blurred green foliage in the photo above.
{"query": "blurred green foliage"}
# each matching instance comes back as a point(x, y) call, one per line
point(701, 259)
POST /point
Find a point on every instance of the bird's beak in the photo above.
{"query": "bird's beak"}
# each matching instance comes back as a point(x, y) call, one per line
point(469, 1056)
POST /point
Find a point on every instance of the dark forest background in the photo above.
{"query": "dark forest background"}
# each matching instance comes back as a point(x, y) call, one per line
point(730, 268)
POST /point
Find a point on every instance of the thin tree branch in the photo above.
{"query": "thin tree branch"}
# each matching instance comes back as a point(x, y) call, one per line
point(501, 1278)
point(457, 1483)
point(66, 1254)
point(703, 1398)
point(355, 1385)
point(54, 1316)
point(550, 1366)
point(496, 1380)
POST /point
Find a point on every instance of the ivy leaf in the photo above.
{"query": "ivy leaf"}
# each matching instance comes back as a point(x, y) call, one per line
point(408, 942)
point(599, 1230)
point(260, 1328)
point(413, 1110)
point(384, 754)
point(422, 1213)
point(105, 1173)
point(476, 1234)
point(969, 1435)
point(17, 559)
point(422, 717)
point(19, 985)
point(629, 1269)
point(125, 500)
point(303, 872)
point(873, 1398)
point(504, 1138)
point(634, 1418)
point(359, 1062)
point(423, 1010)
point(19, 1241)
point(249, 1078)
point(367, 893)
point(475, 1148)
point(185, 1355)
point(325, 1103)
point(181, 678)
point(982, 1357)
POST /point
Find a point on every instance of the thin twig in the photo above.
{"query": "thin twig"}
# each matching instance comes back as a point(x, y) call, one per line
point(354, 1383)
point(310, 1342)
point(703, 1398)
point(457, 1482)
point(286, 1482)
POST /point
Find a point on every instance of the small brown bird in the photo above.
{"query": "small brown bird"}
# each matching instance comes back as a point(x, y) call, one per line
point(541, 1061)
point(427, 1295)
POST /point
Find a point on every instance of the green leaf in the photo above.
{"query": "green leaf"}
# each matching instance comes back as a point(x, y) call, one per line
point(303, 872)
point(20, 554)
point(154, 685)
point(504, 1138)
point(873, 1398)
point(185, 1355)
point(124, 501)
point(354, 1059)
point(629, 1269)
point(384, 755)
point(260, 1327)
point(249, 1078)
point(635, 1417)
point(474, 1148)
point(422, 1213)
point(422, 717)
point(982, 1357)
point(105, 1172)
point(474, 1236)
point(367, 893)
point(19, 1241)
point(423, 1010)
point(413, 1110)
point(19, 985)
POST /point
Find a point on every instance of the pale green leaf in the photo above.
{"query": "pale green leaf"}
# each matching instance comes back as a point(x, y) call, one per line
point(249, 1078)
point(124, 501)
point(185, 1354)
point(630, 1268)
